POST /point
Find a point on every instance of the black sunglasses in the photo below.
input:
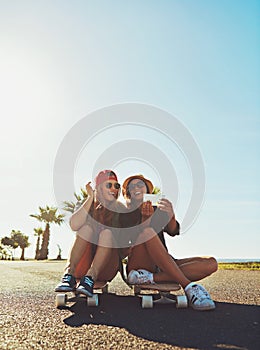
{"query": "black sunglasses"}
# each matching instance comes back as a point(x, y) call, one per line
point(139, 184)
point(116, 185)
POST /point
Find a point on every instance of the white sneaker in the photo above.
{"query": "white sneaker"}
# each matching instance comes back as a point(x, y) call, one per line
point(140, 277)
point(199, 298)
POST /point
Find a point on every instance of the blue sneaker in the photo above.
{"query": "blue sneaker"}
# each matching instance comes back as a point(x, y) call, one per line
point(68, 284)
point(86, 286)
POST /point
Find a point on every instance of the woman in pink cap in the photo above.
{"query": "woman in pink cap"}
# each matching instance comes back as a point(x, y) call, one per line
point(92, 255)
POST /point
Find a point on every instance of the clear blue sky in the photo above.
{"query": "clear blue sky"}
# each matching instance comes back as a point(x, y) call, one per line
point(198, 60)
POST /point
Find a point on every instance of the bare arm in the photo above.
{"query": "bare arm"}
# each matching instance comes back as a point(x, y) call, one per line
point(172, 228)
point(78, 219)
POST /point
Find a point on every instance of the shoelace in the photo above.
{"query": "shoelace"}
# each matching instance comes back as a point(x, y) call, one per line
point(142, 278)
point(205, 292)
point(200, 292)
point(66, 278)
point(88, 281)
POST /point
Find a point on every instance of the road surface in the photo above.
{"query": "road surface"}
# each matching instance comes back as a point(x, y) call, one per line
point(30, 320)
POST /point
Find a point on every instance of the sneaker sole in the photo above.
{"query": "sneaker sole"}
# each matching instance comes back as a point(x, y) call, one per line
point(85, 292)
point(205, 308)
point(64, 289)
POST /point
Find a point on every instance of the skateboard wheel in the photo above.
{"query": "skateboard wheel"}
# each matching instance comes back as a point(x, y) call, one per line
point(147, 302)
point(181, 301)
point(93, 301)
point(137, 290)
point(61, 299)
point(105, 289)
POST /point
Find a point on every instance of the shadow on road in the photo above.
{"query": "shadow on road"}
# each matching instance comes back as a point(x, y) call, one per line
point(230, 326)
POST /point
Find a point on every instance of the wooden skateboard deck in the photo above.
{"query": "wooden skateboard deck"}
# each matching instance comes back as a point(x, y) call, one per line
point(147, 293)
point(99, 288)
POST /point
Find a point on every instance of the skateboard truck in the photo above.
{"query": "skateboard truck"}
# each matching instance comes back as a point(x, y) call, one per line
point(99, 288)
point(165, 296)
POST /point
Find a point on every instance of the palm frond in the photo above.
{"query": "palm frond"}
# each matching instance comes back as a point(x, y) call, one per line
point(69, 206)
point(77, 196)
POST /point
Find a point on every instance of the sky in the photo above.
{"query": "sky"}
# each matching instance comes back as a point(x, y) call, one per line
point(63, 61)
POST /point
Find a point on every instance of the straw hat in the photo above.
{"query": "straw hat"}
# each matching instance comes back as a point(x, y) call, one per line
point(134, 177)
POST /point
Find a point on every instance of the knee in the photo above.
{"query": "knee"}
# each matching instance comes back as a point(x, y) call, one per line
point(85, 232)
point(106, 238)
point(105, 233)
point(212, 264)
point(148, 233)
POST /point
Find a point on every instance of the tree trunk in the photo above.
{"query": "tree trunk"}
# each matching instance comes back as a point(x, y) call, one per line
point(45, 243)
point(22, 255)
point(37, 250)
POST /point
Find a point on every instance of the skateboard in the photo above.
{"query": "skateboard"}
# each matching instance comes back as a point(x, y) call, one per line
point(99, 287)
point(149, 294)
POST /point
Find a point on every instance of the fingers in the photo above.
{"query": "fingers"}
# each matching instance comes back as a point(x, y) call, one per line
point(165, 201)
point(147, 209)
point(165, 205)
point(89, 188)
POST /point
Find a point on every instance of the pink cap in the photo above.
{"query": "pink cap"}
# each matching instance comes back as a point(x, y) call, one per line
point(105, 175)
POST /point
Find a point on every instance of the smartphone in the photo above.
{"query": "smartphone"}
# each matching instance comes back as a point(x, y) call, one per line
point(154, 198)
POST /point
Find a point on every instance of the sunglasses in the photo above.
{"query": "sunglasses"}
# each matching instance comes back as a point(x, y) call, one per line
point(139, 184)
point(110, 185)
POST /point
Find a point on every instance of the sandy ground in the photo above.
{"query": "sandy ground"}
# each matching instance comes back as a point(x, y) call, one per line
point(30, 320)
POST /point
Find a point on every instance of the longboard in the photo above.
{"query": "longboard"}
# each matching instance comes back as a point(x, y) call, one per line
point(149, 294)
point(99, 288)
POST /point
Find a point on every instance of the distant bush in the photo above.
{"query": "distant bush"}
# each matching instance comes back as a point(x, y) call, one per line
point(254, 265)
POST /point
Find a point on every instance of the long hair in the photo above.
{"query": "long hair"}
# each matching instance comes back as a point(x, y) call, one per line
point(105, 212)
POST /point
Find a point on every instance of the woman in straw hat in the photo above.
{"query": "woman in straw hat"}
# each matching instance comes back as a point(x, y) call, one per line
point(93, 255)
point(148, 260)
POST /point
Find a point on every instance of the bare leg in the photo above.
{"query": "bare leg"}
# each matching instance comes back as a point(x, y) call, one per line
point(151, 253)
point(197, 268)
point(105, 263)
point(78, 249)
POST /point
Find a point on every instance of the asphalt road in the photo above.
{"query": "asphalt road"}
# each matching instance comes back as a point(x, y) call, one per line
point(30, 320)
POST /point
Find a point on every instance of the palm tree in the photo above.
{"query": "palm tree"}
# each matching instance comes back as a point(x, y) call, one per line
point(5, 253)
point(47, 215)
point(70, 206)
point(156, 190)
point(21, 239)
point(38, 232)
point(2, 251)
point(5, 248)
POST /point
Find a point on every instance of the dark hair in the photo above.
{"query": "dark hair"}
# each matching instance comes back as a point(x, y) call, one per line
point(111, 173)
point(128, 192)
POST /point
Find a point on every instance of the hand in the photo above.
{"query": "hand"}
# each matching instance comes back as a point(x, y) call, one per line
point(146, 210)
point(89, 189)
point(165, 205)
